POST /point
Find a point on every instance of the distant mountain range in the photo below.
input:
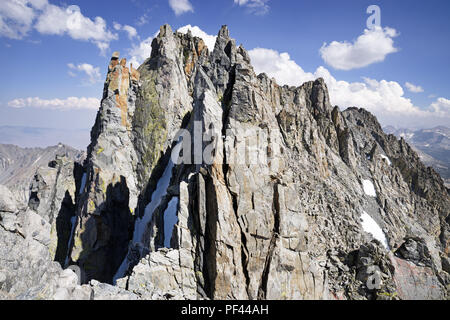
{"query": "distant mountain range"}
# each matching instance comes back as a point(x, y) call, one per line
point(30, 137)
point(18, 165)
point(432, 145)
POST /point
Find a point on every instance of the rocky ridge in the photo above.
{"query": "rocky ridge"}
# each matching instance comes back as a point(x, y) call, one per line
point(432, 146)
point(285, 196)
point(18, 165)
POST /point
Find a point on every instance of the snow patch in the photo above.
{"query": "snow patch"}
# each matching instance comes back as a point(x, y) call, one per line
point(161, 190)
point(83, 182)
point(170, 219)
point(121, 271)
point(73, 221)
point(369, 189)
point(386, 159)
point(39, 158)
point(371, 226)
point(141, 224)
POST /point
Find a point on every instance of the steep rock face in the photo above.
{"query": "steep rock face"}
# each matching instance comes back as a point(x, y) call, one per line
point(53, 194)
point(109, 192)
point(205, 180)
point(36, 240)
point(18, 165)
point(163, 101)
point(432, 146)
point(27, 253)
point(291, 224)
point(35, 237)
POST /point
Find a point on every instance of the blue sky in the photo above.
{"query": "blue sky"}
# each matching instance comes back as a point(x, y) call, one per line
point(398, 71)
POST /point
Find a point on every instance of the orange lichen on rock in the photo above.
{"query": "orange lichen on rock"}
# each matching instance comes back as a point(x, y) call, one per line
point(118, 81)
point(200, 47)
point(122, 96)
point(135, 75)
point(192, 56)
point(189, 67)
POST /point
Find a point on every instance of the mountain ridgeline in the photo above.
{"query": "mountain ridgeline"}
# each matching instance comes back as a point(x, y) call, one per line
point(18, 165)
point(204, 180)
point(432, 146)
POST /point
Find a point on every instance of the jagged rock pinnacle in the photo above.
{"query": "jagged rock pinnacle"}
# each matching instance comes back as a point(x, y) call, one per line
point(224, 32)
point(282, 197)
point(165, 30)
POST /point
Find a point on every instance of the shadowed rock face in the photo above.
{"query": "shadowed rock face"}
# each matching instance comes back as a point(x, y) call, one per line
point(18, 165)
point(286, 226)
point(109, 195)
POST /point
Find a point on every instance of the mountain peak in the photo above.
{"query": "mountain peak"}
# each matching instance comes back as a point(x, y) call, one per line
point(203, 171)
point(224, 32)
point(165, 30)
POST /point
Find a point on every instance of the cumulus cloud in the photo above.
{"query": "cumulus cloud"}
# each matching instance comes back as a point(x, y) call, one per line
point(71, 103)
point(441, 106)
point(385, 99)
point(56, 20)
point(370, 47)
point(181, 6)
point(140, 52)
point(279, 66)
point(413, 88)
point(18, 17)
point(93, 73)
point(132, 33)
point(258, 7)
point(209, 40)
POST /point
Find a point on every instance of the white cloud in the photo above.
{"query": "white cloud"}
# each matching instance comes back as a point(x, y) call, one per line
point(181, 6)
point(370, 47)
point(56, 20)
point(441, 106)
point(38, 4)
point(385, 99)
point(258, 7)
point(413, 88)
point(209, 40)
point(279, 66)
point(139, 53)
point(128, 29)
point(143, 20)
point(92, 73)
point(19, 17)
point(70, 103)
point(16, 17)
